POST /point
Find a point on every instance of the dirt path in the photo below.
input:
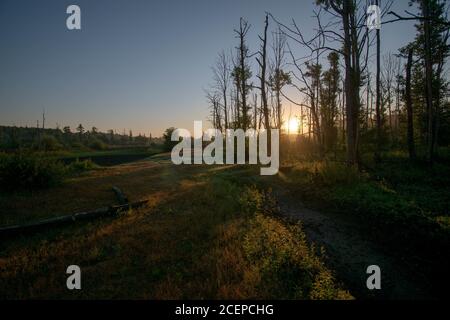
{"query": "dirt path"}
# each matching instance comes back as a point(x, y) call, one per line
point(349, 253)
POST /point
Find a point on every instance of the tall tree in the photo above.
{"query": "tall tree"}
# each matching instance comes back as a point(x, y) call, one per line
point(409, 107)
point(329, 100)
point(378, 95)
point(278, 78)
point(262, 62)
point(430, 46)
point(352, 47)
point(388, 78)
point(222, 77)
point(242, 71)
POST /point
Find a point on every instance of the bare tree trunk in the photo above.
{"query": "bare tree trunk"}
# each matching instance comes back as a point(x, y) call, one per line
point(351, 81)
point(378, 103)
point(301, 120)
point(429, 81)
point(225, 107)
point(243, 29)
point(255, 115)
point(368, 101)
point(262, 77)
point(237, 122)
point(309, 124)
point(343, 114)
point(409, 108)
point(368, 79)
point(278, 79)
point(371, 109)
point(222, 80)
point(397, 94)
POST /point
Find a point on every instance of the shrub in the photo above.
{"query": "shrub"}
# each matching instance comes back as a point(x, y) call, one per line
point(50, 143)
point(97, 144)
point(251, 200)
point(78, 146)
point(333, 174)
point(283, 263)
point(286, 265)
point(168, 143)
point(79, 166)
point(25, 171)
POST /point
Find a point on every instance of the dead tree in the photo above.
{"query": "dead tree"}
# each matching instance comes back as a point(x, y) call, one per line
point(409, 107)
point(213, 98)
point(307, 82)
point(378, 101)
point(222, 76)
point(278, 78)
point(388, 77)
point(350, 44)
point(262, 62)
point(242, 73)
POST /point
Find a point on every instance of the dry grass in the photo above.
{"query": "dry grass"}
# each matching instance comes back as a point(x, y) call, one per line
point(199, 238)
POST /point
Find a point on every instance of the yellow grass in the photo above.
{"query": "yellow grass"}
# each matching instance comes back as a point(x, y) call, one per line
point(199, 238)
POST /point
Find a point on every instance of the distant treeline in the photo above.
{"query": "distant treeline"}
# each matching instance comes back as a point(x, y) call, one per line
point(13, 138)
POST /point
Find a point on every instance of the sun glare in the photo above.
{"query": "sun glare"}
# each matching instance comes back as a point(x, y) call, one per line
point(293, 126)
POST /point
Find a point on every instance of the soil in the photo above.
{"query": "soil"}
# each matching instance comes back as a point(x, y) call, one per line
point(349, 252)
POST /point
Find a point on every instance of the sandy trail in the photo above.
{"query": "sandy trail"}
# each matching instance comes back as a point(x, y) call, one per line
point(349, 253)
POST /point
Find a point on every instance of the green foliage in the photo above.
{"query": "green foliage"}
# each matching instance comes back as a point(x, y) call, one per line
point(399, 203)
point(167, 136)
point(50, 140)
point(78, 146)
point(97, 144)
point(331, 174)
point(281, 258)
point(49, 143)
point(80, 166)
point(26, 171)
point(32, 171)
point(251, 201)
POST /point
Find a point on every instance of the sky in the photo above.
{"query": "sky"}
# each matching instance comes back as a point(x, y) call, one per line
point(134, 65)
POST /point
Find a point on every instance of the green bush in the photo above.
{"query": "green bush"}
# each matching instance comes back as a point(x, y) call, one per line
point(26, 171)
point(281, 263)
point(168, 143)
point(337, 174)
point(79, 166)
point(97, 144)
point(285, 264)
point(49, 143)
point(78, 146)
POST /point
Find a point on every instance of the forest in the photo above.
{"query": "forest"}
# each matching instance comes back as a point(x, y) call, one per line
point(351, 98)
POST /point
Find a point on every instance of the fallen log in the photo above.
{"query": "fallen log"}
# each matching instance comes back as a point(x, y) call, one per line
point(120, 195)
point(67, 219)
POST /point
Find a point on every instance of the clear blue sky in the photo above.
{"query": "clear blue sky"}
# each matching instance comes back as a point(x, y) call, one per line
point(136, 64)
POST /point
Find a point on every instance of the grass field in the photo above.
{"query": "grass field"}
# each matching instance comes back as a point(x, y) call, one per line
point(203, 235)
point(212, 232)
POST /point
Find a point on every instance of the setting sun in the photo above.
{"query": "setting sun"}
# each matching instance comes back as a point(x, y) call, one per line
point(293, 126)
